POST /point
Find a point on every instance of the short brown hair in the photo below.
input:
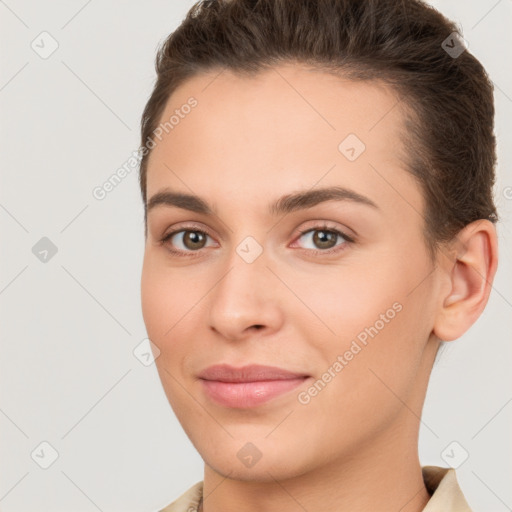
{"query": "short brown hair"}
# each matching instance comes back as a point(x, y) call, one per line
point(449, 126)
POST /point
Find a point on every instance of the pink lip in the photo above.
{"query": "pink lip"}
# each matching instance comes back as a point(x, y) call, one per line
point(248, 386)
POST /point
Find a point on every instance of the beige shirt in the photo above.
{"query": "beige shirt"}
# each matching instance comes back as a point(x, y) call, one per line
point(441, 483)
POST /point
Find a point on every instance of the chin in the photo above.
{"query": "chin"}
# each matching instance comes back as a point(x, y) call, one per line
point(258, 462)
point(263, 472)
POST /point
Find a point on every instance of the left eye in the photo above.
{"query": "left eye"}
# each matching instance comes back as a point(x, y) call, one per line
point(323, 238)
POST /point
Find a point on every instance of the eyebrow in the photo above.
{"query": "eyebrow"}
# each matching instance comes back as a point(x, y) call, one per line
point(300, 200)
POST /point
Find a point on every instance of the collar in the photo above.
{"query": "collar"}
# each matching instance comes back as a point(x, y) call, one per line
point(442, 485)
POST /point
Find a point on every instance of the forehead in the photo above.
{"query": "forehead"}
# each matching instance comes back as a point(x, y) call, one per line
point(287, 127)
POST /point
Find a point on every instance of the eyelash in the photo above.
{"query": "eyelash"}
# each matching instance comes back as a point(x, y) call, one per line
point(323, 227)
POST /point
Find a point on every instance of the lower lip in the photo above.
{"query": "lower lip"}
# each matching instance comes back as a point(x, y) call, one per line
point(248, 394)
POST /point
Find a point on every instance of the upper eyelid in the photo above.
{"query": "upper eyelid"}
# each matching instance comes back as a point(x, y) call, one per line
point(179, 229)
point(340, 232)
point(316, 226)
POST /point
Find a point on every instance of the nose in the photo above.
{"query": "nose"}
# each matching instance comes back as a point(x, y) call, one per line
point(246, 300)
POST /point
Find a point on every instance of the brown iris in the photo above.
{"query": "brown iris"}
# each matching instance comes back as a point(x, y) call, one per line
point(194, 239)
point(323, 239)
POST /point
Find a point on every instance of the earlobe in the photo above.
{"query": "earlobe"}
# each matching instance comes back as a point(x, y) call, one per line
point(470, 268)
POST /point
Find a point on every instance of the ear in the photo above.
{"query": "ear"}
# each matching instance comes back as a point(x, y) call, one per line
point(469, 265)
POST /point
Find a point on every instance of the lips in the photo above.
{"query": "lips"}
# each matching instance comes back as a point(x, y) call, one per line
point(250, 373)
point(248, 386)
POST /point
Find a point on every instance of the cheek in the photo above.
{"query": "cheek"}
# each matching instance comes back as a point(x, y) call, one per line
point(392, 332)
point(374, 378)
point(379, 324)
point(346, 299)
point(163, 299)
point(164, 303)
point(154, 302)
point(171, 306)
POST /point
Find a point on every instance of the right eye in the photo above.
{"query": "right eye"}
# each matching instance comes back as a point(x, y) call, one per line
point(187, 240)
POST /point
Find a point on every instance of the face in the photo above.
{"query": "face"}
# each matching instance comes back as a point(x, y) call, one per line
point(336, 287)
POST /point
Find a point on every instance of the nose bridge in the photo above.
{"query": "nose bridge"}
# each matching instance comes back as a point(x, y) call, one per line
point(247, 264)
point(247, 275)
point(244, 296)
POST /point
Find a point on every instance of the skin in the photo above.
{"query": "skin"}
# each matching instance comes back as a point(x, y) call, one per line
point(249, 141)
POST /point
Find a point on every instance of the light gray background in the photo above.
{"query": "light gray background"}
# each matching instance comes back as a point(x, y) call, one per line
point(69, 326)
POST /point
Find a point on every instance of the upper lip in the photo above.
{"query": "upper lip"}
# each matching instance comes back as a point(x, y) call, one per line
point(249, 373)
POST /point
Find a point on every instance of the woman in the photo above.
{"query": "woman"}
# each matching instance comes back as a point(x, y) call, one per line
point(317, 180)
